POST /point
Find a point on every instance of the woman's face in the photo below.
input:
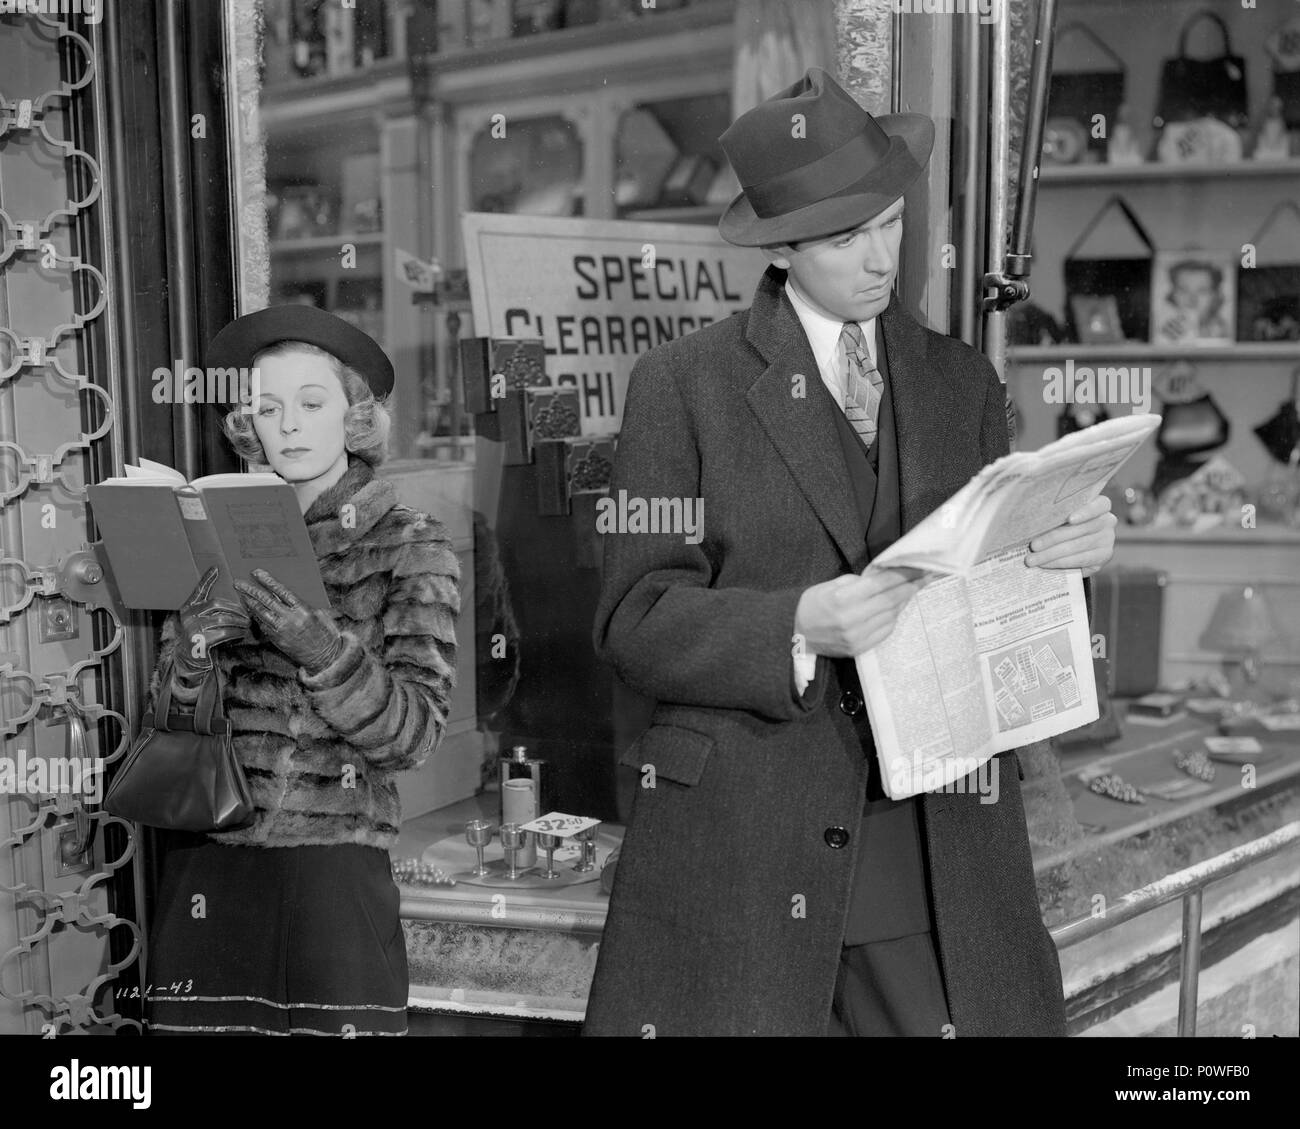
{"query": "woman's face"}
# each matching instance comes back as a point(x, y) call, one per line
point(298, 417)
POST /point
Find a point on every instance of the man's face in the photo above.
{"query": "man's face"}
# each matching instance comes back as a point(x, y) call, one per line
point(848, 276)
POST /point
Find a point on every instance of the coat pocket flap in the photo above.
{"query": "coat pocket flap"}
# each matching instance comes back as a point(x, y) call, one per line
point(677, 754)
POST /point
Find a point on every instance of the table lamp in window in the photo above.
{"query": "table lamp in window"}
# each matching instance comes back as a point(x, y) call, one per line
point(1242, 625)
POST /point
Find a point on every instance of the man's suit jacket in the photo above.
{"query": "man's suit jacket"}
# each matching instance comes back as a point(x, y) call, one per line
point(733, 884)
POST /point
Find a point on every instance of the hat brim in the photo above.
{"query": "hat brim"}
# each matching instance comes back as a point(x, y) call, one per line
point(239, 343)
point(742, 226)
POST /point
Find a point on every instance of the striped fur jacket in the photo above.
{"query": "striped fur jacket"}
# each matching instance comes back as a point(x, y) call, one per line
point(320, 752)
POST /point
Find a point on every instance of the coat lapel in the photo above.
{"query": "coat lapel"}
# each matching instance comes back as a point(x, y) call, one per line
point(924, 404)
point(801, 430)
point(805, 436)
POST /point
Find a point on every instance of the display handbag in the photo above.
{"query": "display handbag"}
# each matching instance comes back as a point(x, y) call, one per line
point(1126, 278)
point(1268, 294)
point(1199, 88)
point(181, 773)
point(1079, 95)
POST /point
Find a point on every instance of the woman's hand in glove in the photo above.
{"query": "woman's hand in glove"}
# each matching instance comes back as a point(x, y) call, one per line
point(303, 634)
point(205, 623)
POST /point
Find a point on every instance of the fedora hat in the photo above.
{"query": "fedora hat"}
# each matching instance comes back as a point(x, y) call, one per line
point(832, 169)
point(238, 344)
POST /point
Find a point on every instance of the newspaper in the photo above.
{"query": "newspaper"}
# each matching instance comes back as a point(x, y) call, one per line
point(990, 655)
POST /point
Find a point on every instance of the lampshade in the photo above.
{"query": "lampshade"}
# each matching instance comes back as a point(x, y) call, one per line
point(1242, 621)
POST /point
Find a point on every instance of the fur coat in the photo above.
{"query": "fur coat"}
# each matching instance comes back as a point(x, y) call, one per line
point(320, 752)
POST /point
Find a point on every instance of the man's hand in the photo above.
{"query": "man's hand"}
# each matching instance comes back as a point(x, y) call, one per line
point(1086, 541)
point(846, 616)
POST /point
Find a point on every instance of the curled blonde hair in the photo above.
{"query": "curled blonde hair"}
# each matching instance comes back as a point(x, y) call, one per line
point(366, 423)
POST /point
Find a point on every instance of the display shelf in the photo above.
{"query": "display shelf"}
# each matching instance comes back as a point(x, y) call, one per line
point(692, 213)
point(330, 243)
point(1266, 533)
point(1143, 351)
point(1074, 175)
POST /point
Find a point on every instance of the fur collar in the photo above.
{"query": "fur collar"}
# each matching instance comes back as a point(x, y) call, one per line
point(333, 529)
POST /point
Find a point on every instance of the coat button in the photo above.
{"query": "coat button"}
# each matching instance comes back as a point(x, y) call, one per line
point(850, 703)
point(836, 837)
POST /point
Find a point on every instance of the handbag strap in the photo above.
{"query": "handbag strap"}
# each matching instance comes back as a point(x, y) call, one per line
point(1116, 201)
point(1084, 29)
point(1193, 20)
point(1271, 218)
point(206, 710)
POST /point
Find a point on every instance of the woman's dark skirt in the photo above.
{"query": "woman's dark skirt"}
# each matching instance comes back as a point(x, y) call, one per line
point(276, 941)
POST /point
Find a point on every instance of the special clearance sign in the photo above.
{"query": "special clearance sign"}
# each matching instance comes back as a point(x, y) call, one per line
point(600, 293)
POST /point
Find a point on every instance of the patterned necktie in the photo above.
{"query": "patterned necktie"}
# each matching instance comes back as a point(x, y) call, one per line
point(862, 383)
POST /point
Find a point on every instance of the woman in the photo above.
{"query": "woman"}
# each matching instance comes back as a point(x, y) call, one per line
point(289, 925)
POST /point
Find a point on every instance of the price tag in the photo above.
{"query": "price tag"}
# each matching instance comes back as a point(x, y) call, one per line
point(557, 823)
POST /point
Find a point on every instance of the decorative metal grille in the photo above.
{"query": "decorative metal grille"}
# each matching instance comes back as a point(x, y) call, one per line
point(56, 972)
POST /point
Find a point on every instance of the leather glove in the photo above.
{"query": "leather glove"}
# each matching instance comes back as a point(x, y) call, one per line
point(305, 635)
point(214, 620)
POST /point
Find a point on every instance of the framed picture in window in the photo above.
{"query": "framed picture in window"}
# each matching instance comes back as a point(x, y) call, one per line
point(1193, 298)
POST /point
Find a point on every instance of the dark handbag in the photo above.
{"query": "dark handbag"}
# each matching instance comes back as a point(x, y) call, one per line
point(1079, 95)
point(1268, 294)
point(181, 773)
point(1192, 427)
point(1127, 279)
point(1199, 88)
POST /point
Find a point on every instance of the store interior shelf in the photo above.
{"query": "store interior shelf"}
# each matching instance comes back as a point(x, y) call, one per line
point(690, 213)
point(1152, 170)
point(326, 242)
point(1266, 533)
point(1142, 351)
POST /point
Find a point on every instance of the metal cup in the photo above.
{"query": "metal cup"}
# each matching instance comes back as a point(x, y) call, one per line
point(549, 843)
point(513, 839)
point(478, 834)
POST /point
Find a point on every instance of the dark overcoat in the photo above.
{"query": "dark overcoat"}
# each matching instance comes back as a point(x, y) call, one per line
point(731, 892)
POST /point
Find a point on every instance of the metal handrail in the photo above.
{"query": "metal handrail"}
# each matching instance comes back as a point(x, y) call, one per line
point(1187, 884)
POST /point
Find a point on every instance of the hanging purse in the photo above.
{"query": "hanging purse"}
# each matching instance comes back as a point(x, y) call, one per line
point(182, 773)
point(1200, 88)
point(1125, 278)
point(1268, 294)
point(1078, 96)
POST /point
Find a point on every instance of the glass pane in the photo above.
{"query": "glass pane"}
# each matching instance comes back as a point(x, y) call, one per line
point(532, 167)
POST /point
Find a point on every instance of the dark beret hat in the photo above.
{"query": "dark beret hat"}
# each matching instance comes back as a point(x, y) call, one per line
point(245, 337)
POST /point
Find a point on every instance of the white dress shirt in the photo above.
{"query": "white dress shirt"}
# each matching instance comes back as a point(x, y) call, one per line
point(824, 337)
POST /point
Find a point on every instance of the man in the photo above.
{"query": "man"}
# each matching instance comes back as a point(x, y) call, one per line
point(766, 885)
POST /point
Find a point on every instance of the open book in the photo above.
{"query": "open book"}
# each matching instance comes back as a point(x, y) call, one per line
point(162, 534)
point(990, 654)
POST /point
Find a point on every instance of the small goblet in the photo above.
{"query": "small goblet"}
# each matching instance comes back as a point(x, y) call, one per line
point(512, 839)
point(549, 843)
point(478, 834)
